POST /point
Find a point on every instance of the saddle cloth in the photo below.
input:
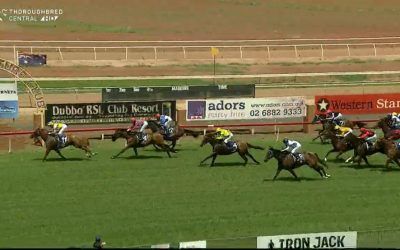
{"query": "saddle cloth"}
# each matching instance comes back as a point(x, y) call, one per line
point(298, 158)
point(64, 140)
point(232, 146)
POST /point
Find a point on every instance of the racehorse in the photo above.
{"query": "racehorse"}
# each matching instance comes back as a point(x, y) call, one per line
point(177, 132)
point(390, 149)
point(342, 145)
point(391, 134)
point(219, 148)
point(361, 150)
point(288, 162)
point(134, 142)
point(52, 143)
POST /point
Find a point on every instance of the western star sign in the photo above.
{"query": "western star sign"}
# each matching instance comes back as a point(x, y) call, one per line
point(358, 104)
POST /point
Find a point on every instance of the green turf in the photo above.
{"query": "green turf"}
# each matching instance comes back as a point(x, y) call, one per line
point(154, 199)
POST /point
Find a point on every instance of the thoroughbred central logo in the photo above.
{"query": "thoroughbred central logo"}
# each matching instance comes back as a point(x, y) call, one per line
point(323, 104)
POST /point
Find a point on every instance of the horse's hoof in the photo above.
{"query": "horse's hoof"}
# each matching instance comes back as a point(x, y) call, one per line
point(325, 159)
point(113, 157)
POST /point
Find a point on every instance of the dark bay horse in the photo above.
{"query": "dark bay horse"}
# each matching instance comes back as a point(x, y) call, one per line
point(328, 125)
point(388, 147)
point(342, 145)
point(52, 143)
point(361, 151)
point(219, 148)
point(178, 132)
point(384, 124)
point(134, 142)
point(287, 161)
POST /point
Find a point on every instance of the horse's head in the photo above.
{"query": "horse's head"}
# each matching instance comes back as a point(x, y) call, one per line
point(317, 117)
point(269, 155)
point(35, 133)
point(118, 134)
point(208, 138)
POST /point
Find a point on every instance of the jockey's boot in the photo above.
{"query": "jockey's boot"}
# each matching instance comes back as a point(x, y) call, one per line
point(59, 141)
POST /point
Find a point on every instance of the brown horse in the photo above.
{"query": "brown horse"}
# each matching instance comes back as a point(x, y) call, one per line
point(288, 162)
point(361, 151)
point(52, 143)
point(134, 142)
point(342, 145)
point(176, 134)
point(384, 124)
point(328, 125)
point(388, 147)
point(219, 148)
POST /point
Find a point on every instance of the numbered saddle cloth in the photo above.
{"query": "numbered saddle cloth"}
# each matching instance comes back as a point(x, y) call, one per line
point(142, 138)
point(298, 158)
point(61, 140)
point(397, 145)
point(232, 146)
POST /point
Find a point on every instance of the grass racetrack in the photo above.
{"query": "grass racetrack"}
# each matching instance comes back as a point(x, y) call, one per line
point(153, 199)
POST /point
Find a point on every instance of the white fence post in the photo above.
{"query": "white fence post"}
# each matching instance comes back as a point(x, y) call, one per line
point(348, 50)
point(184, 52)
point(126, 53)
point(241, 53)
point(295, 51)
point(95, 54)
point(155, 55)
point(374, 50)
point(9, 144)
point(15, 55)
point(269, 54)
point(61, 56)
point(322, 52)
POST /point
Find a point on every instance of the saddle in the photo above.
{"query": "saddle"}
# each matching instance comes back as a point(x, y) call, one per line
point(142, 138)
point(61, 141)
point(298, 158)
point(232, 146)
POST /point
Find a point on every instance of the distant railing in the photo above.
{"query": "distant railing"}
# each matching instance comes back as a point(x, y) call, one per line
point(241, 52)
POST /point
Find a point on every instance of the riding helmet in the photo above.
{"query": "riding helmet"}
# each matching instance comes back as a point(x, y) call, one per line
point(285, 140)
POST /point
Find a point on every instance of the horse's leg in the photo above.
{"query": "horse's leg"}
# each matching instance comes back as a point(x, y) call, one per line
point(46, 154)
point(387, 162)
point(318, 169)
point(337, 156)
point(123, 150)
point(208, 157)
point(278, 170)
point(244, 158)
point(173, 144)
point(397, 162)
point(135, 151)
point(293, 173)
point(329, 152)
point(88, 151)
point(213, 160)
point(59, 153)
point(166, 148)
point(248, 153)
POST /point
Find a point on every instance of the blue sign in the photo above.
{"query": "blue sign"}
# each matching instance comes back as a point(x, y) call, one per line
point(8, 109)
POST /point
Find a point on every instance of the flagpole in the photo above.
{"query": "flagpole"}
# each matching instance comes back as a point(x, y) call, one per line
point(214, 70)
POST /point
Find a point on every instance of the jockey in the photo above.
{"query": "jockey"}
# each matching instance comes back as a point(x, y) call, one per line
point(343, 131)
point(395, 121)
point(165, 122)
point(138, 124)
point(292, 146)
point(226, 135)
point(59, 129)
point(367, 135)
point(335, 117)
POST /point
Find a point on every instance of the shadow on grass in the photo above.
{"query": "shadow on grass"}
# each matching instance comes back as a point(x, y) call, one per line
point(61, 159)
point(144, 157)
point(294, 180)
point(228, 164)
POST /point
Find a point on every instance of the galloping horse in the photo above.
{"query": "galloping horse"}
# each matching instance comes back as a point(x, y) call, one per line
point(391, 134)
point(288, 162)
point(342, 145)
point(389, 148)
point(178, 132)
point(134, 142)
point(328, 125)
point(52, 144)
point(219, 148)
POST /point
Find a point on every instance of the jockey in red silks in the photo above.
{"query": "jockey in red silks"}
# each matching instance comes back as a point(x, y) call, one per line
point(367, 135)
point(138, 124)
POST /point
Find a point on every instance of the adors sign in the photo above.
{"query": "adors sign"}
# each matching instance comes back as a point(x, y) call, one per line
point(358, 104)
point(315, 240)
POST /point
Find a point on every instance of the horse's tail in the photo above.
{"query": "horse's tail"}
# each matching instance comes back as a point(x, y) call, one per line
point(195, 134)
point(253, 146)
point(320, 161)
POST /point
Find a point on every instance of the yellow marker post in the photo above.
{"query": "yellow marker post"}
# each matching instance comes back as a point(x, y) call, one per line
point(214, 53)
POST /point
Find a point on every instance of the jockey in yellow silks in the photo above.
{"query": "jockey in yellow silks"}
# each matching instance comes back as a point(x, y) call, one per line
point(59, 128)
point(226, 135)
point(343, 131)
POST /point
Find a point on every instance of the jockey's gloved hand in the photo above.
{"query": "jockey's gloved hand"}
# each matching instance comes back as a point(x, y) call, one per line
point(226, 140)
